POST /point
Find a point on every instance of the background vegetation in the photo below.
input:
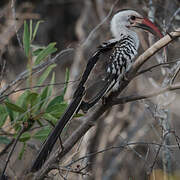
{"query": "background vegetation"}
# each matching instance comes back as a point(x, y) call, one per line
point(44, 47)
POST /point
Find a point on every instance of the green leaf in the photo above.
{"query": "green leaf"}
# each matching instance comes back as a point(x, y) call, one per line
point(2, 109)
point(4, 140)
point(26, 39)
point(30, 30)
point(31, 98)
point(39, 122)
point(42, 98)
point(45, 52)
point(50, 118)
point(42, 134)
point(3, 119)
point(37, 51)
point(14, 107)
point(51, 86)
point(22, 99)
point(10, 113)
point(57, 109)
point(3, 116)
point(36, 28)
point(56, 100)
point(17, 126)
point(22, 151)
point(21, 102)
point(44, 76)
point(25, 137)
point(66, 82)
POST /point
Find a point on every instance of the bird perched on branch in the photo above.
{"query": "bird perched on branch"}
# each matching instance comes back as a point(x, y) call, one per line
point(108, 65)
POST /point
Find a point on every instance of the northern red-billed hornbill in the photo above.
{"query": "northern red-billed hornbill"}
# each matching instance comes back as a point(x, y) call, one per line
point(108, 64)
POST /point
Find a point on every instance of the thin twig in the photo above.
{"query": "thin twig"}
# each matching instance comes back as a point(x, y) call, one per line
point(2, 70)
point(34, 87)
point(111, 148)
point(177, 140)
point(13, 2)
point(7, 147)
point(11, 151)
point(79, 171)
point(35, 69)
point(157, 65)
point(155, 159)
point(127, 99)
point(172, 18)
point(100, 24)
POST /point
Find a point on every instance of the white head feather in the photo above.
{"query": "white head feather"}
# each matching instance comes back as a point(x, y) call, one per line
point(120, 25)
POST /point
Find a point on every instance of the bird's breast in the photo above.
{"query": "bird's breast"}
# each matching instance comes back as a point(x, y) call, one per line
point(122, 56)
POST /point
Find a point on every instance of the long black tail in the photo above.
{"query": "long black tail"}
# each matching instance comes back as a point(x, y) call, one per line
point(53, 136)
point(72, 108)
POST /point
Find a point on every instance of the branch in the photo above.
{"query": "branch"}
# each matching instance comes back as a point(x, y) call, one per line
point(38, 86)
point(127, 99)
point(11, 152)
point(94, 116)
point(7, 147)
point(125, 145)
point(155, 48)
point(157, 65)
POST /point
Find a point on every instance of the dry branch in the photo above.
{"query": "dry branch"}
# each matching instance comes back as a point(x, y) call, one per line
point(155, 48)
point(127, 99)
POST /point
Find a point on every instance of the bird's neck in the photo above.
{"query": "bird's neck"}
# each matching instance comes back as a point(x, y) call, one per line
point(123, 32)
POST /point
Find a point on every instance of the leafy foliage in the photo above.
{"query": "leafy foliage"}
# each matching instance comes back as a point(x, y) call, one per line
point(34, 106)
point(4, 140)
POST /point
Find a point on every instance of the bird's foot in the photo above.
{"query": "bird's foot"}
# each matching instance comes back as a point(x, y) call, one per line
point(85, 106)
point(125, 78)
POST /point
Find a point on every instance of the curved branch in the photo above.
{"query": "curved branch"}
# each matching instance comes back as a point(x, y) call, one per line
point(127, 99)
point(155, 48)
point(157, 65)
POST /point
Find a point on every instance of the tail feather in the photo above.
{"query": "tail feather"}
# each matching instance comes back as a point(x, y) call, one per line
point(72, 108)
point(53, 136)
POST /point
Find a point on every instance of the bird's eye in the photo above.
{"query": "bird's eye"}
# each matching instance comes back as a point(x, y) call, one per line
point(133, 18)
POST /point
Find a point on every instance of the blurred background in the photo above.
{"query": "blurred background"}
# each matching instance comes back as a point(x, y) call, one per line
point(75, 24)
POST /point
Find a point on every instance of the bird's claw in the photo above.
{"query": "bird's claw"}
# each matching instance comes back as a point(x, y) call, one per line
point(125, 78)
point(84, 107)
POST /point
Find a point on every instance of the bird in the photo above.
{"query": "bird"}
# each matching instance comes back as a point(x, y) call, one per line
point(104, 71)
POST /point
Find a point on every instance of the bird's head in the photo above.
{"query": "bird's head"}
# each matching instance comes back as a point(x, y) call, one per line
point(128, 20)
